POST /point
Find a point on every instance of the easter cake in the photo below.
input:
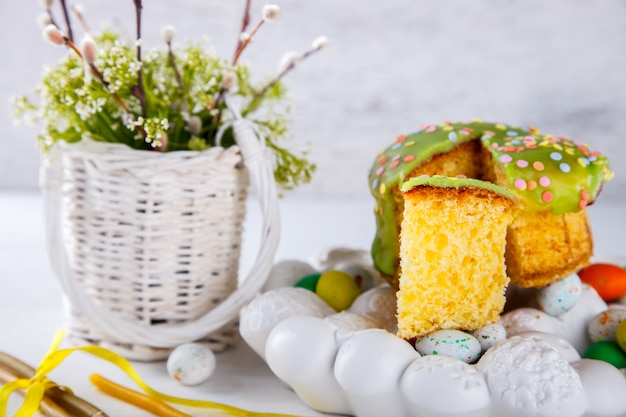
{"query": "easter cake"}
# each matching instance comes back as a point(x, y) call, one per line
point(553, 177)
point(452, 254)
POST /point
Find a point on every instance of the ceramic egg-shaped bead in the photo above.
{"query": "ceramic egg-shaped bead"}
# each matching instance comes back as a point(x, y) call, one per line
point(488, 335)
point(605, 387)
point(264, 312)
point(301, 351)
point(453, 343)
point(347, 323)
point(368, 367)
point(378, 304)
point(528, 377)
point(286, 274)
point(191, 363)
point(565, 349)
point(603, 326)
point(560, 296)
point(444, 386)
point(338, 289)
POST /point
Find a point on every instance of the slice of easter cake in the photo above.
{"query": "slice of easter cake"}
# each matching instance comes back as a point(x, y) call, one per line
point(452, 246)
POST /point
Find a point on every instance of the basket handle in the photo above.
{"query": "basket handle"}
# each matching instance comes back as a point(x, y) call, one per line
point(262, 180)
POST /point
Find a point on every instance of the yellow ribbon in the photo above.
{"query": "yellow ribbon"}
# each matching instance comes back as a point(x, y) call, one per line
point(36, 386)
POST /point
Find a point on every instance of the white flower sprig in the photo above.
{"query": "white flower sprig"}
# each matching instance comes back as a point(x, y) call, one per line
point(270, 13)
point(167, 33)
point(79, 12)
point(291, 59)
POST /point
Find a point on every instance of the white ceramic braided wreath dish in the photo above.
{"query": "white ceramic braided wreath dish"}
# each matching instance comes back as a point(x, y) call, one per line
point(146, 245)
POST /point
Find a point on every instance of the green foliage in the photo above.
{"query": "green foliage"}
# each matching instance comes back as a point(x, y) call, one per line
point(74, 103)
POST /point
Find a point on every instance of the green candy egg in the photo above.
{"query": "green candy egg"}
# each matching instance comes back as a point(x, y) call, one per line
point(308, 282)
point(338, 289)
point(608, 352)
point(621, 335)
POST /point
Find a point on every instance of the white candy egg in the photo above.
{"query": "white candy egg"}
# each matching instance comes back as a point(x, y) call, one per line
point(604, 385)
point(191, 363)
point(490, 334)
point(368, 367)
point(453, 343)
point(603, 326)
point(287, 273)
point(263, 313)
point(560, 296)
point(440, 385)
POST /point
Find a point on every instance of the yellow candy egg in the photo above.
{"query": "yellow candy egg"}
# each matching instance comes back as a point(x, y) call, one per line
point(338, 289)
point(621, 335)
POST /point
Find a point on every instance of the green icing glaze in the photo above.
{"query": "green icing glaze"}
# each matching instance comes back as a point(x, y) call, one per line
point(455, 182)
point(545, 172)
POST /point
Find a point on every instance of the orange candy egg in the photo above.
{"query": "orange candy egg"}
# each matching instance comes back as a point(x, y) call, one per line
point(607, 279)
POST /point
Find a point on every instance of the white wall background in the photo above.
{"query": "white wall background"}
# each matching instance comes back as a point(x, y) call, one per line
point(558, 65)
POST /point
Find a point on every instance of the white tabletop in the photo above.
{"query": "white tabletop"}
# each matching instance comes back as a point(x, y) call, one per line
point(31, 309)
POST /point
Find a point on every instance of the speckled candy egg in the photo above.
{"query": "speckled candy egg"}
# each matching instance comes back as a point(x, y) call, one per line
point(191, 363)
point(603, 327)
point(560, 296)
point(452, 343)
point(490, 334)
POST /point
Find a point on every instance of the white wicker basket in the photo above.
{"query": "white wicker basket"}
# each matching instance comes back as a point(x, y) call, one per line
point(146, 245)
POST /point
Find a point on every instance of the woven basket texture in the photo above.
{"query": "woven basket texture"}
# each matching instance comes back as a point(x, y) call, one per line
point(154, 240)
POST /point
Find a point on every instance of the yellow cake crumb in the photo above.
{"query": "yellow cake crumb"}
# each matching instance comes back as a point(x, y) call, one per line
point(452, 247)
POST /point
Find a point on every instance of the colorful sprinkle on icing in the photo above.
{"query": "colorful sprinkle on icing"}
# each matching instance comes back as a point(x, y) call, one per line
point(546, 196)
point(520, 184)
point(546, 172)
